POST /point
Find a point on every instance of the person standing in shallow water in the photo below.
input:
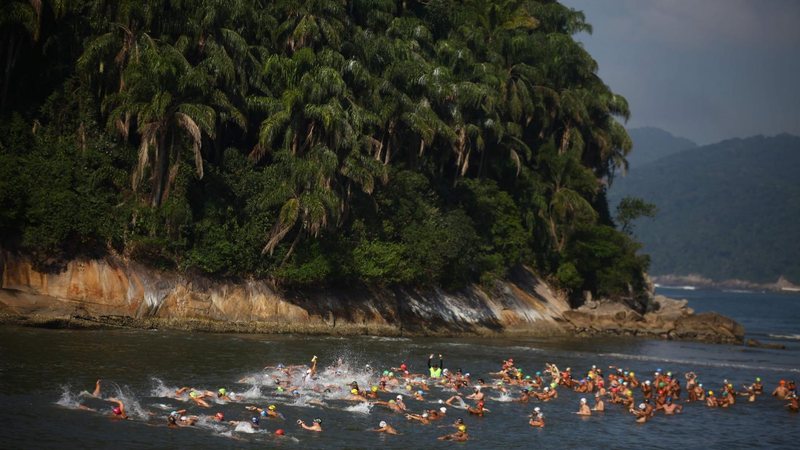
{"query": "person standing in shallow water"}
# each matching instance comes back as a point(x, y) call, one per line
point(434, 370)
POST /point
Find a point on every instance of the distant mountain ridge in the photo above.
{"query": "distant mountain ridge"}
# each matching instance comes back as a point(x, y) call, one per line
point(730, 210)
point(651, 144)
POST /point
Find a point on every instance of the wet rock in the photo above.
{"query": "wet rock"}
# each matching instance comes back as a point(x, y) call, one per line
point(756, 343)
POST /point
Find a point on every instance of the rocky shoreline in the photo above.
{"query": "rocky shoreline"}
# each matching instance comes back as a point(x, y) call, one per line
point(113, 293)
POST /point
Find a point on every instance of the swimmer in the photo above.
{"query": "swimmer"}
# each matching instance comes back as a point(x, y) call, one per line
point(384, 427)
point(536, 418)
point(584, 408)
point(793, 405)
point(459, 436)
point(599, 405)
point(118, 412)
point(641, 414)
point(270, 411)
point(524, 396)
point(423, 418)
point(711, 400)
point(179, 419)
point(194, 395)
point(781, 391)
point(757, 386)
point(316, 426)
point(478, 410)
point(222, 394)
point(670, 408)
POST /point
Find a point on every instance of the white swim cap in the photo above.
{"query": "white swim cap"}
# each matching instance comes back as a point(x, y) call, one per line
point(583, 400)
point(546, 389)
point(399, 397)
point(642, 406)
point(441, 401)
point(537, 409)
point(443, 409)
point(382, 424)
point(424, 415)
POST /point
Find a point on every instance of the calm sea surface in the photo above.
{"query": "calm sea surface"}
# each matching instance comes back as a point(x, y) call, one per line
point(44, 375)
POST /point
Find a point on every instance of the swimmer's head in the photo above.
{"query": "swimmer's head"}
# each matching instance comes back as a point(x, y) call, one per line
point(546, 389)
point(441, 401)
point(382, 424)
point(462, 428)
point(386, 373)
point(222, 391)
point(374, 389)
point(408, 387)
point(219, 416)
point(391, 374)
point(711, 393)
point(117, 411)
point(647, 382)
point(392, 401)
point(271, 407)
point(295, 392)
point(538, 374)
point(669, 399)
point(254, 420)
point(642, 406)
point(403, 366)
point(758, 379)
point(399, 397)
point(419, 392)
point(443, 410)
point(424, 415)
point(583, 400)
point(318, 420)
point(354, 391)
point(194, 394)
point(537, 410)
point(279, 432)
point(632, 374)
point(263, 413)
point(459, 420)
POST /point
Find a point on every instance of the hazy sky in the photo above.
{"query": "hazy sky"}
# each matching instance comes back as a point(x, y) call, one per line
point(702, 69)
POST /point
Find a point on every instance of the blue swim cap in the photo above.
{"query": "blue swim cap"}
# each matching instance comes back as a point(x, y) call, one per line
point(254, 420)
point(263, 414)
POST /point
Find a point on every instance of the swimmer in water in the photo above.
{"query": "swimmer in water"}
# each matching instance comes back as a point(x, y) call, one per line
point(194, 395)
point(781, 391)
point(599, 405)
point(384, 427)
point(711, 400)
point(536, 418)
point(641, 413)
point(270, 411)
point(584, 408)
point(316, 426)
point(478, 410)
point(118, 412)
point(670, 408)
point(459, 436)
point(793, 405)
point(423, 418)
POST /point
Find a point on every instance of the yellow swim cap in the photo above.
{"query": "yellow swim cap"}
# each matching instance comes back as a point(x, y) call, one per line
point(374, 388)
point(408, 387)
point(354, 391)
point(272, 407)
point(710, 392)
point(462, 428)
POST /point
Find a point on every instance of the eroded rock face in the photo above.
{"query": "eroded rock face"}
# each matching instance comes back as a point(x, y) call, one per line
point(110, 289)
point(114, 292)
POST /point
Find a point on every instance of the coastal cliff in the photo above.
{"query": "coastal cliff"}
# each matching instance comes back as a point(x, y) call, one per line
point(112, 292)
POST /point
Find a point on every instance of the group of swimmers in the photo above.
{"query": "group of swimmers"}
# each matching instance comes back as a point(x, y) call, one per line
point(660, 394)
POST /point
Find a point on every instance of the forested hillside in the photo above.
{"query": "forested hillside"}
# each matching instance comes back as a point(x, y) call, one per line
point(313, 142)
point(725, 211)
point(651, 144)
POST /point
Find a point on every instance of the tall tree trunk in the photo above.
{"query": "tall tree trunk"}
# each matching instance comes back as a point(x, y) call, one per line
point(11, 57)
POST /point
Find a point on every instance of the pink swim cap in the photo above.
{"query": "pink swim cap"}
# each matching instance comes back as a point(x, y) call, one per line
point(117, 411)
point(279, 432)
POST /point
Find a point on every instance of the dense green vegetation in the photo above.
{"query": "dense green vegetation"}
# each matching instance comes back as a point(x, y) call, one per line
point(312, 142)
point(725, 211)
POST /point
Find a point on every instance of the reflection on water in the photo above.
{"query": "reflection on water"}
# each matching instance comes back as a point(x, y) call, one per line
point(46, 375)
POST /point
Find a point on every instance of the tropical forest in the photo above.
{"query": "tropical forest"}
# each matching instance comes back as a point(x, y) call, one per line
point(315, 143)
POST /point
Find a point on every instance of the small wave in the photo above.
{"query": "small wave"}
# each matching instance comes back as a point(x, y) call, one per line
point(68, 399)
point(246, 427)
point(361, 408)
point(697, 363)
point(790, 337)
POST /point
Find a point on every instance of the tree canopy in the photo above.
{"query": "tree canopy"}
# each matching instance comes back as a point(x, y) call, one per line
point(312, 142)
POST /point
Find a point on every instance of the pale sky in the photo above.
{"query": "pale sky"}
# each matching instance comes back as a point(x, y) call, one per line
point(703, 69)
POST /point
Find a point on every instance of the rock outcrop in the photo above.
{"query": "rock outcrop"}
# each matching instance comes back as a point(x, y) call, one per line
point(671, 319)
point(113, 292)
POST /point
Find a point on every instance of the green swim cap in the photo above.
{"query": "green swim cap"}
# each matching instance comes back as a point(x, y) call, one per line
point(527, 377)
point(385, 373)
point(280, 389)
point(194, 394)
point(391, 374)
point(758, 379)
point(553, 385)
point(222, 391)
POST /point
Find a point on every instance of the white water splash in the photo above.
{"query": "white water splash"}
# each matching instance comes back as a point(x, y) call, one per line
point(361, 408)
point(68, 399)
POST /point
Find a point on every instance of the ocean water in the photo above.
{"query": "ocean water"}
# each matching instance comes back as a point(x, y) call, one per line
point(45, 377)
